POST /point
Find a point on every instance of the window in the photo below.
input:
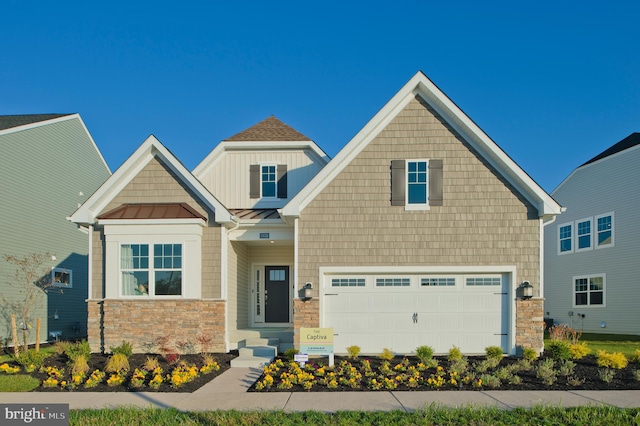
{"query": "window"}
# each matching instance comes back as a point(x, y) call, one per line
point(61, 277)
point(393, 282)
point(160, 277)
point(438, 282)
point(484, 281)
point(604, 225)
point(416, 182)
point(584, 235)
point(565, 233)
point(268, 181)
point(348, 282)
point(589, 290)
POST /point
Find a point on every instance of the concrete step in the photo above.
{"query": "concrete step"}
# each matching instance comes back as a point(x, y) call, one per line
point(258, 351)
point(252, 362)
point(259, 341)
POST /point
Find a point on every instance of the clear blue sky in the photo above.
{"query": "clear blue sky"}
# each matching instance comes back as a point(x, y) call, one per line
point(552, 82)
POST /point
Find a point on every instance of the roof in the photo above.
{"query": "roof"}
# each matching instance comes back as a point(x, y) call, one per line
point(420, 85)
point(629, 142)
point(10, 121)
point(269, 129)
point(255, 214)
point(153, 211)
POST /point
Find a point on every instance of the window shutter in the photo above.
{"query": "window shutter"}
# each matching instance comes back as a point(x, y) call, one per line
point(435, 182)
point(398, 178)
point(282, 181)
point(254, 181)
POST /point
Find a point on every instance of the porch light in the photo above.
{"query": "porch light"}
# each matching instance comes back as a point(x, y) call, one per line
point(307, 291)
point(526, 290)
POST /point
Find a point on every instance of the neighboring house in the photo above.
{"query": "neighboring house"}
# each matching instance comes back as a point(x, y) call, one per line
point(48, 167)
point(592, 252)
point(418, 232)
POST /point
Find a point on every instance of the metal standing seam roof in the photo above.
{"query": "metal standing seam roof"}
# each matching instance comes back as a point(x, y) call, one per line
point(255, 214)
point(269, 129)
point(153, 211)
point(11, 121)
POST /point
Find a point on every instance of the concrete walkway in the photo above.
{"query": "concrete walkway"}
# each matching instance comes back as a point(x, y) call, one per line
point(229, 391)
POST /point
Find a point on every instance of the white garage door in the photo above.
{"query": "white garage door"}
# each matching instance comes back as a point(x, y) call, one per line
point(402, 312)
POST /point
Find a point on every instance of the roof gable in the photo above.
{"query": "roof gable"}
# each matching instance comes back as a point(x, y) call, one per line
point(421, 86)
point(150, 149)
point(629, 142)
point(269, 129)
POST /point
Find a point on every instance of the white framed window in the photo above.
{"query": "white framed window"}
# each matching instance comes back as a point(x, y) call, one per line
point(417, 183)
point(437, 282)
point(348, 282)
point(589, 290)
point(62, 277)
point(393, 282)
point(604, 230)
point(483, 281)
point(584, 234)
point(268, 181)
point(151, 270)
point(565, 238)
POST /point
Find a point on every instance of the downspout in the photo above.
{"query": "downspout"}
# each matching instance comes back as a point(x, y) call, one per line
point(543, 224)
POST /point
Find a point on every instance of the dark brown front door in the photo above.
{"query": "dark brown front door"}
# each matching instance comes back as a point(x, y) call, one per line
point(276, 289)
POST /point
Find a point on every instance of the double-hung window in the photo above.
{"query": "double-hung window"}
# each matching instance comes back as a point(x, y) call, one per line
point(604, 229)
point(268, 181)
point(417, 184)
point(417, 189)
point(151, 269)
point(589, 290)
point(584, 234)
point(565, 233)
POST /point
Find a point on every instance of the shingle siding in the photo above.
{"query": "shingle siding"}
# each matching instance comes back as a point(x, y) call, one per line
point(483, 220)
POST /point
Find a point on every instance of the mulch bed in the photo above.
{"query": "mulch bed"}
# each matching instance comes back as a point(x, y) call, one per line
point(98, 361)
point(586, 371)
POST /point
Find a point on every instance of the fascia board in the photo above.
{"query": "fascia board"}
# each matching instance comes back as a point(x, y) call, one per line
point(93, 142)
point(195, 221)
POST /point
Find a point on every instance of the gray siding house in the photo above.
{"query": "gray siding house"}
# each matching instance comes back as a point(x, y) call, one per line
point(592, 252)
point(48, 167)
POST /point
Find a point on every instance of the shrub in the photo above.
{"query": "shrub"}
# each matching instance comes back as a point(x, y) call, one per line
point(578, 350)
point(30, 358)
point(636, 375)
point(529, 354)
point(566, 368)
point(354, 351)
point(125, 349)
point(75, 349)
point(117, 362)
point(612, 360)
point(80, 366)
point(558, 350)
point(494, 352)
point(291, 353)
point(546, 372)
point(606, 374)
point(490, 381)
point(565, 333)
point(386, 354)
point(454, 354)
point(460, 366)
point(151, 363)
point(423, 353)
point(635, 357)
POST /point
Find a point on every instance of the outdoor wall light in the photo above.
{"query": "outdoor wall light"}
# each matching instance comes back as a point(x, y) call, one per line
point(307, 291)
point(526, 290)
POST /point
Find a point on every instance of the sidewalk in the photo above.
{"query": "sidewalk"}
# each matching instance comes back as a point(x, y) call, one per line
point(229, 391)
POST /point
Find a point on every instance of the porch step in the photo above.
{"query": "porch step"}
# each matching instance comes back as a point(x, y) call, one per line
point(256, 352)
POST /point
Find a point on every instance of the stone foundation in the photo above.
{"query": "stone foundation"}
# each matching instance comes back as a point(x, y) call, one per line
point(530, 324)
point(142, 322)
point(305, 314)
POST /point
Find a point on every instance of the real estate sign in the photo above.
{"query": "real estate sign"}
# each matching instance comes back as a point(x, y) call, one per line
point(316, 341)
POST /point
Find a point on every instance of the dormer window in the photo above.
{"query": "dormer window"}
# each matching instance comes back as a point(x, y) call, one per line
point(268, 181)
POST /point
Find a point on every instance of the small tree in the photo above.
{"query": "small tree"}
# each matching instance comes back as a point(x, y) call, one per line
point(33, 279)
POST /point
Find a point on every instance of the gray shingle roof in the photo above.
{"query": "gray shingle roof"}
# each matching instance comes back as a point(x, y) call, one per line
point(270, 129)
point(630, 141)
point(10, 121)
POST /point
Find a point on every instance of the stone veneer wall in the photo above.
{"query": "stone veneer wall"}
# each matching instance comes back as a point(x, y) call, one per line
point(530, 324)
point(305, 314)
point(137, 321)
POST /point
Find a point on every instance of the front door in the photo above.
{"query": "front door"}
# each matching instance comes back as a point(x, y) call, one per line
point(276, 294)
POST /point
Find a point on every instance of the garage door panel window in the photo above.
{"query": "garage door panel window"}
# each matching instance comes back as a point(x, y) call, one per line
point(393, 282)
point(483, 281)
point(348, 282)
point(589, 290)
point(438, 282)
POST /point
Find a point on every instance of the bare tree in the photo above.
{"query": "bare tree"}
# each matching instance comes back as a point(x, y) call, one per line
point(33, 279)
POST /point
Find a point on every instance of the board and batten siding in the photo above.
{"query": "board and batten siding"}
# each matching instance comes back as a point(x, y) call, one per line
point(229, 178)
point(45, 173)
point(483, 220)
point(608, 185)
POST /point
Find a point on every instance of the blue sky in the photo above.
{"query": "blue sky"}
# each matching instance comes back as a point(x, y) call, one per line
point(552, 83)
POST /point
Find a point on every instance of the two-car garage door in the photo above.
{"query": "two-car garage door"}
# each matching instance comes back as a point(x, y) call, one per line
point(403, 311)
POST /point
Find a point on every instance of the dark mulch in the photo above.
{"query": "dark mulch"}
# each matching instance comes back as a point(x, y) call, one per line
point(98, 361)
point(586, 371)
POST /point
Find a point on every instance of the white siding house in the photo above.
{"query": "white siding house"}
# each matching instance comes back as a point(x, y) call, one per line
point(592, 252)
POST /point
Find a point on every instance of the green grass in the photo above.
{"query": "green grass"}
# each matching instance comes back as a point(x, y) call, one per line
point(432, 415)
point(625, 343)
point(18, 383)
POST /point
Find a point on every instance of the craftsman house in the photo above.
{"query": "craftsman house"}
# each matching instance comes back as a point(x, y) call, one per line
point(419, 232)
point(592, 252)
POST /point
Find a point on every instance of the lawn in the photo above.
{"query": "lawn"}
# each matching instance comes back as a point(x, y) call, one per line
point(432, 415)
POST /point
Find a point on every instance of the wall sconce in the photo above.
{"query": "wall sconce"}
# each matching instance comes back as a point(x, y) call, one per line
point(55, 316)
point(307, 291)
point(526, 290)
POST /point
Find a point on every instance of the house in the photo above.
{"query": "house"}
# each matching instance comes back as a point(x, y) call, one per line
point(418, 232)
point(48, 167)
point(591, 253)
